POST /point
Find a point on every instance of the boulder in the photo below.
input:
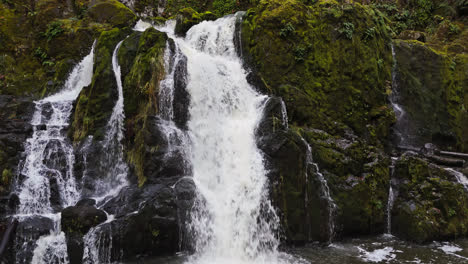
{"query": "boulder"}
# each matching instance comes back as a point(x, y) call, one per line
point(149, 221)
point(112, 12)
point(431, 204)
point(412, 35)
point(431, 85)
point(188, 17)
point(76, 221)
point(28, 231)
point(80, 218)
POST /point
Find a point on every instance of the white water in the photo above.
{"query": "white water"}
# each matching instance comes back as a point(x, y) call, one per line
point(332, 207)
point(284, 115)
point(379, 255)
point(49, 154)
point(233, 221)
point(391, 198)
point(51, 248)
point(113, 163)
point(98, 244)
point(461, 178)
point(400, 113)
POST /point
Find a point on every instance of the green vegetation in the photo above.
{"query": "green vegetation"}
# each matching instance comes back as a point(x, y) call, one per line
point(54, 29)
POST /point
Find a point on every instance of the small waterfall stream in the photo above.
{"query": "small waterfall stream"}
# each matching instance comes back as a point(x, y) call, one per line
point(325, 191)
point(400, 127)
point(46, 183)
point(113, 163)
point(98, 245)
point(461, 178)
point(391, 197)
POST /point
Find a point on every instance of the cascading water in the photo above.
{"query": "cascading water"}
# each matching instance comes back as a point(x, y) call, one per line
point(48, 167)
point(461, 178)
point(401, 127)
point(112, 162)
point(98, 245)
point(332, 207)
point(229, 221)
point(391, 198)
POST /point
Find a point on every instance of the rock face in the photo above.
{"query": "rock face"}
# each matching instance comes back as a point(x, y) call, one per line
point(76, 222)
point(112, 12)
point(15, 114)
point(80, 218)
point(433, 88)
point(430, 204)
point(304, 65)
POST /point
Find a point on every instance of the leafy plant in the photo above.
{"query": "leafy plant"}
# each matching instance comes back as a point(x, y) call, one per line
point(43, 57)
point(54, 29)
point(369, 34)
point(223, 7)
point(347, 30)
point(287, 30)
point(454, 29)
point(299, 54)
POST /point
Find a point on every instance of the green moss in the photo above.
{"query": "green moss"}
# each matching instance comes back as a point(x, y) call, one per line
point(112, 12)
point(95, 103)
point(431, 205)
point(298, 50)
point(434, 88)
point(142, 60)
point(358, 176)
point(188, 17)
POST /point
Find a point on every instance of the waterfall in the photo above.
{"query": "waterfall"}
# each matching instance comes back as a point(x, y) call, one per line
point(461, 178)
point(325, 191)
point(113, 163)
point(98, 244)
point(49, 155)
point(232, 220)
point(47, 172)
point(400, 127)
point(391, 198)
point(51, 248)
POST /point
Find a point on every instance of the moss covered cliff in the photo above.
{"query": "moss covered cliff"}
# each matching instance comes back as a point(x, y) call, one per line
point(330, 62)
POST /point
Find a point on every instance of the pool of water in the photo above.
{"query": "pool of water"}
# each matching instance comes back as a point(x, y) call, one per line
point(382, 249)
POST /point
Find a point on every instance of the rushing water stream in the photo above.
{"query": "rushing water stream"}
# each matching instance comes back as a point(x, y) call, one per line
point(228, 169)
point(49, 183)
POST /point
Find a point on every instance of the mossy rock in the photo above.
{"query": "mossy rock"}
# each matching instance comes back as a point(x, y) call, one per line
point(142, 62)
point(358, 177)
point(298, 49)
point(95, 102)
point(188, 17)
point(430, 203)
point(112, 12)
point(433, 88)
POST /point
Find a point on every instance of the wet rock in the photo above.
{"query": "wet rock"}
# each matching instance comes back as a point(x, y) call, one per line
point(149, 220)
point(112, 12)
point(86, 202)
point(79, 219)
point(431, 204)
point(412, 35)
point(15, 115)
point(358, 177)
point(181, 101)
point(430, 84)
point(188, 17)
point(29, 229)
point(292, 182)
point(7, 231)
